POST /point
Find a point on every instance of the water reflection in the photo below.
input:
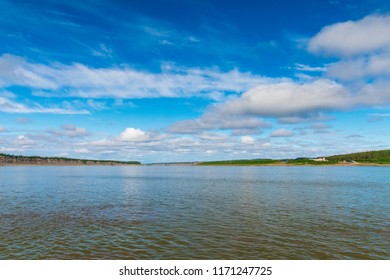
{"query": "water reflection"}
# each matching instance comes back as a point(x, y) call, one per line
point(194, 213)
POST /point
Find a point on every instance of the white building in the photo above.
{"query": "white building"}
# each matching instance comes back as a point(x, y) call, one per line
point(319, 159)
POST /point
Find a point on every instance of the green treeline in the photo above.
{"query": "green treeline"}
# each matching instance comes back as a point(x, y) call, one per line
point(372, 157)
point(299, 161)
point(7, 158)
point(240, 162)
point(380, 157)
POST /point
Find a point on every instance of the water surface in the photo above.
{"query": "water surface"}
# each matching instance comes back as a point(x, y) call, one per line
point(188, 212)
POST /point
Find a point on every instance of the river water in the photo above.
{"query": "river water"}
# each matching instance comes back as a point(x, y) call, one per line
point(194, 212)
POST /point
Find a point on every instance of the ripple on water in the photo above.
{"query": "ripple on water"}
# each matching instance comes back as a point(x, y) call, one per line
point(195, 213)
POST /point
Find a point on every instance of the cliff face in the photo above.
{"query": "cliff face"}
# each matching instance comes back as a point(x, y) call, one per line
point(24, 160)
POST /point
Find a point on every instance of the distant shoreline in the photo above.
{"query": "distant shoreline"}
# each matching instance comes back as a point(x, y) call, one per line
point(296, 164)
point(66, 164)
point(370, 158)
point(189, 164)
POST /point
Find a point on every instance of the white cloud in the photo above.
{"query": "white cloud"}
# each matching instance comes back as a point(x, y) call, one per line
point(131, 134)
point(282, 133)
point(96, 105)
point(364, 48)
point(82, 151)
point(247, 140)
point(173, 149)
point(370, 34)
point(247, 131)
point(15, 70)
point(210, 136)
point(312, 117)
point(70, 131)
point(78, 80)
point(307, 68)
point(374, 66)
point(10, 106)
point(320, 126)
point(102, 51)
point(23, 140)
point(374, 94)
point(290, 102)
point(2, 129)
point(214, 121)
point(288, 99)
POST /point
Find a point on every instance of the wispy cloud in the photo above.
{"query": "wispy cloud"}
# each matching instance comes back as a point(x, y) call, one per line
point(377, 117)
point(70, 131)
point(102, 51)
point(78, 80)
point(282, 133)
point(308, 68)
point(24, 120)
point(10, 106)
point(215, 121)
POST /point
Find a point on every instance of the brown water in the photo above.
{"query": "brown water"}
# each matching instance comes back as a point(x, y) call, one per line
point(152, 212)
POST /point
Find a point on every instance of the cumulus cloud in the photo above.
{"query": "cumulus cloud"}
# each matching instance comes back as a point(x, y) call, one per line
point(79, 80)
point(131, 134)
point(363, 47)
point(370, 34)
point(282, 133)
point(374, 94)
point(288, 99)
point(290, 102)
point(364, 50)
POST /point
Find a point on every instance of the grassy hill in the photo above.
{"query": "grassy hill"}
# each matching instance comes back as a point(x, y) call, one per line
point(240, 162)
point(379, 157)
point(371, 157)
point(6, 159)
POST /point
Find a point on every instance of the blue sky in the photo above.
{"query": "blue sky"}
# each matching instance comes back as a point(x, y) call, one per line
point(194, 80)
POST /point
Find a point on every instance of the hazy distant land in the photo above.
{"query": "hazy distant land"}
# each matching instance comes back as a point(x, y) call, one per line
point(381, 157)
